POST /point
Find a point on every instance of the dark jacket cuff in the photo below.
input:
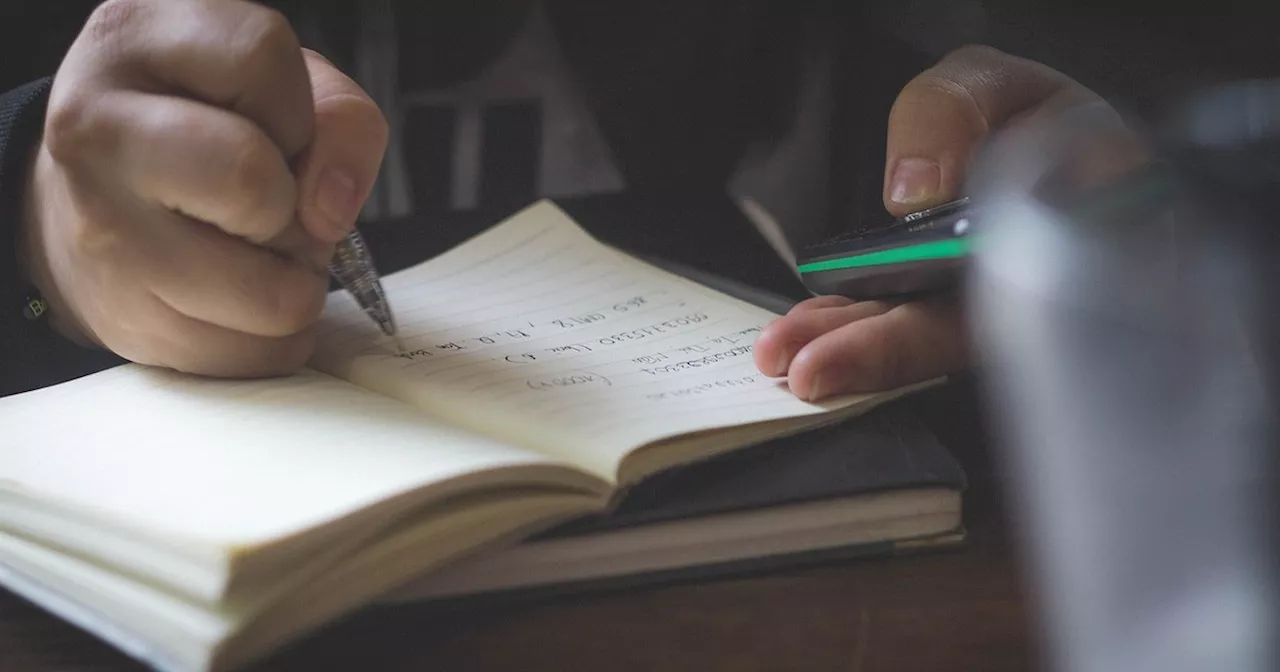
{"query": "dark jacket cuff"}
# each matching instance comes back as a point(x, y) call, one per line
point(21, 116)
point(31, 356)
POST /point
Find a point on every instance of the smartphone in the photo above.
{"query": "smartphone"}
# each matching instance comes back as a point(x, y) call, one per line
point(922, 253)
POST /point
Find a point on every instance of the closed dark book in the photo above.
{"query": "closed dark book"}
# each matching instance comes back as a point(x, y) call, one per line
point(876, 485)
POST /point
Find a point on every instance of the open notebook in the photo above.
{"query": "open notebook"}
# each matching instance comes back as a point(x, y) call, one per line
point(200, 524)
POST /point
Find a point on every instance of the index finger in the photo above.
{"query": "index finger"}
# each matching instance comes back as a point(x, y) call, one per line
point(908, 344)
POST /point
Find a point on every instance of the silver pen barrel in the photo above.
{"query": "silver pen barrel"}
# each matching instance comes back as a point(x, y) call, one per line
point(352, 266)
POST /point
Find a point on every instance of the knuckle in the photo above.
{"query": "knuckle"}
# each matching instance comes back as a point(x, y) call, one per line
point(975, 53)
point(251, 164)
point(950, 85)
point(955, 89)
point(983, 76)
point(940, 81)
point(959, 76)
point(266, 36)
point(110, 17)
point(69, 127)
point(878, 306)
point(360, 117)
point(255, 187)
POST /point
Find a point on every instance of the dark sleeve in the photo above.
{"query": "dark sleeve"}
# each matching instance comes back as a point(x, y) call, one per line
point(30, 355)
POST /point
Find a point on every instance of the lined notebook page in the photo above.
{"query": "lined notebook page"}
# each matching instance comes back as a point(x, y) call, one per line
point(537, 333)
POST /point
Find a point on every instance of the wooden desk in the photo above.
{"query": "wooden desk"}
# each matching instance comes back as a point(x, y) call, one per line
point(956, 611)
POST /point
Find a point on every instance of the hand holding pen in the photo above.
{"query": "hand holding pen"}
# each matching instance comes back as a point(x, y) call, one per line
point(840, 343)
point(191, 225)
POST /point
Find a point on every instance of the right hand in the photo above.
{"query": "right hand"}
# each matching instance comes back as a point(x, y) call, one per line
point(196, 169)
point(831, 345)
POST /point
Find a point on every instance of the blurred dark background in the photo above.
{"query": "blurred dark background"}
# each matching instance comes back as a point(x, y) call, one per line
point(495, 103)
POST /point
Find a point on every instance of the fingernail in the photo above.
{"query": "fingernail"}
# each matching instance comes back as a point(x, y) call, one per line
point(337, 200)
point(815, 387)
point(828, 383)
point(783, 363)
point(914, 181)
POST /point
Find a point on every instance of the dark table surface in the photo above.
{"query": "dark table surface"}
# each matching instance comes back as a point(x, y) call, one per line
point(957, 610)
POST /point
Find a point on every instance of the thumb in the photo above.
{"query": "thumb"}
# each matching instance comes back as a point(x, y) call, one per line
point(337, 172)
point(941, 117)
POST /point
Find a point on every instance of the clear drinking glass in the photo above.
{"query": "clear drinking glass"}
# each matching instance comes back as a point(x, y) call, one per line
point(1121, 300)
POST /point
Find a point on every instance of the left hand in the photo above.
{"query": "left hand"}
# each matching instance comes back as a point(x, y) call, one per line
point(832, 345)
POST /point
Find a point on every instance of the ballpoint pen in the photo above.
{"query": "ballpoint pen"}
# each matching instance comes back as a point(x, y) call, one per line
point(352, 266)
